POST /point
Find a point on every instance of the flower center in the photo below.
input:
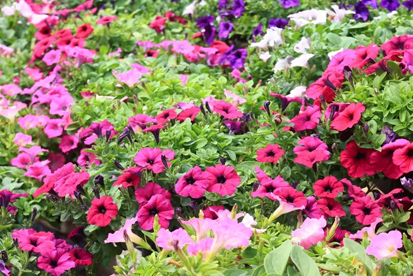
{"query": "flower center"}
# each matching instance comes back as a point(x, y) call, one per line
point(102, 209)
point(360, 156)
point(366, 211)
point(328, 189)
point(270, 189)
point(53, 263)
point(410, 153)
point(221, 179)
point(190, 180)
point(270, 153)
point(153, 211)
point(129, 180)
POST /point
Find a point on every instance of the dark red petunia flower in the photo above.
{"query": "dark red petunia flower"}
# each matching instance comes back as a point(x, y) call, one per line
point(268, 185)
point(166, 115)
point(223, 179)
point(331, 207)
point(397, 45)
point(227, 110)
point(78, 232)
point(385, 199)
point(158, 24)
point(84, 31)
point(365, 209)
point(55, 262)
point(270, 154)
point(194, 183)
point(403, 157)
point(291, 195)
point(190, 113)
point(172, 17)
point(383, 161)
point(307, 120)
point(328, 187)
point(144, 194)
point(131, 177)
point(102, 211)
point(81, 257)
point(348, 117)
point(157, 205)
point(357, 160)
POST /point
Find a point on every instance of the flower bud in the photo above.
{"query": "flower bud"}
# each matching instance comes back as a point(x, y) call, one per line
point(107, 134)
point(376, 194)
point(34, 214)
point(255, 186)
point(193, 205)
point(96, 192)
point(222, 160)
point(78, 196)
point(164, 162)
point(208, 107)
point(267, 107)
point(294, 184)
point(179, 212)
point(80, 189)
point(118, 165)
point(4, 256)
point(99, 180)
point(202, 109)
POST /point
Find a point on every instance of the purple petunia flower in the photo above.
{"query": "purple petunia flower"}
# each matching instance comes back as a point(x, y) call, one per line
point(238, 8)
point(289, 3)
point(225, 56)
point(224, 29)
point(257, 31)
point(361, 11)
point(372, 3)
point(206, 24)
point(222, 5)
point(237, 58)
point(408, 4)
point(278, 22)
point(391, 5)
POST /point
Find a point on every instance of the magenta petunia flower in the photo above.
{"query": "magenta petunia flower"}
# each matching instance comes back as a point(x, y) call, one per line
point(268, 185)
point(151, 159)
point(165, 116)
point(226, 110)
point(350, 116)
point(140, 120)
point(52, 57)
point(403, 157)
point(331, 208)
point(193, 184)
point(157, 205)
point(87, 158)
point(53, 128)
point(307, 120)
point(130, 177)
point(223, 179)
point(365, 210)
point(38, 170)
point(190, 113)
point(144, 194)
point(357, 160)
point(106, 20)
point(383, 160)
point(270, 154)
point(56, 262)
point(68, 143)
point(30, 240)
point(308, 158)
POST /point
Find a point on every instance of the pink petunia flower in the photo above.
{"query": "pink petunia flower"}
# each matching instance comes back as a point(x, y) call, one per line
point(119, 235)
point(270, 154)
point(151, 159)
point(130, 78)
point(38, 170)
point(140, 120)
point(167, 240)
point(385, 245)
point(310, 232)
point(307, 120)
point(68, 143)
point(21, 139)
point(144, 194)
point(87, 159)
point(52, 57)
point(55, 262)
point(226, 110)
point(53, 128)
point(157, 205)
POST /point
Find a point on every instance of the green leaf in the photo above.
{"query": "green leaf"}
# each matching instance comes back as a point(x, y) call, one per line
point(305, 264)
point(357, 248)
point(235, 272)
point(276, 261)
point(334, 39)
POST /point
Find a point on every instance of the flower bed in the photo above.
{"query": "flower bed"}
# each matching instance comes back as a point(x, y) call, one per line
point(230, 137)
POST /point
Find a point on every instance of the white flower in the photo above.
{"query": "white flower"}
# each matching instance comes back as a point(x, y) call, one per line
point(332, 54)
point(265, 56)
point(299, 91)
point(338, 14)
point(309, 16)
point(271, 38)
point(190, 9)
point(9, 10)
point(302, 46)
point(301, 61)
point(283, 64)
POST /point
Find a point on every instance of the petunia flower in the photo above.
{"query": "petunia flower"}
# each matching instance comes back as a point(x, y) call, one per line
point(385, 245)
point(165, 116)
point(102, 211)
point(391, 5)
point(52, 57)
point(270, 154)
point(81, 257)
point(140, 120)
point(119, 235)
point(311, 209)
point(369, 231)
point(130, 177)
point(365, 210)
point(21, 139)
point(130, 78)
point(84, 31)
point(307, 120)
point(310, 232)
point(383, 161)
point(31, 240)
point(223, 180)
point(106, 20)
point(267, 184)
point(331, 208)
point(348, 117)
point(144, 194)
point(151, 159)
point(224, 29)
point(194, 183)
point(328, 187)
point(56, 262)
point(38, 170)
point(357, 160)
point(227, 110)
point(190, 113)
point(168, 240)
point(157, 205)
